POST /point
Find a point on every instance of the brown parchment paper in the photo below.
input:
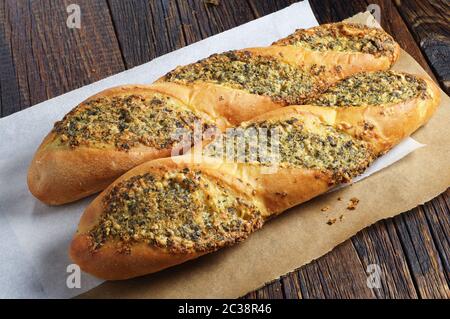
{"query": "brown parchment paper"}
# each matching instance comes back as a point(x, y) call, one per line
point(302, 234)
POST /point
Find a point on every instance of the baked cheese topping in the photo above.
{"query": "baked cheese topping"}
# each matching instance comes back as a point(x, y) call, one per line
point(254, 74)
point(182, 211)
point(373, 88)
point(126, 121)
point(343, 37)
point(308, 144)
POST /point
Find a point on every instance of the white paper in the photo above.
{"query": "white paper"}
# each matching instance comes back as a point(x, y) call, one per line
point(34, 238)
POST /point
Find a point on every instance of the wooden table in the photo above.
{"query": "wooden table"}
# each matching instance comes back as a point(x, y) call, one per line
point(40, 57)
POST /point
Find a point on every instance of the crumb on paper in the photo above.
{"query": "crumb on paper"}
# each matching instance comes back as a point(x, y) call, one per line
point(339, 198)
point(353, 202)
point(212, 2)
point(324, 209)
point(341, 217)
point(331, 221)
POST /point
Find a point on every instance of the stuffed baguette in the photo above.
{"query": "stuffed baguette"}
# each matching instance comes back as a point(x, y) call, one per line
point(167, 211)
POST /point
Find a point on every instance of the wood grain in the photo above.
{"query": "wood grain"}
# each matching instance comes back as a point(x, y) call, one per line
point(428, 22)
point(10, 100)
point(437, 213)
point(43, 58)
point(423, 257)
point(380, 245)
point(338, 275)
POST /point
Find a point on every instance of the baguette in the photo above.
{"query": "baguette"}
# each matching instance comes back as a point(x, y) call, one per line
point(122, 127)
point(168, 211)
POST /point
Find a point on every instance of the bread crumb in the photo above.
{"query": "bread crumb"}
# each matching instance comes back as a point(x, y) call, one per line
point(339, 198)
point(331, 221)
point(353, 202)
point(324, 209)
point(341, 217)
point(213, 2)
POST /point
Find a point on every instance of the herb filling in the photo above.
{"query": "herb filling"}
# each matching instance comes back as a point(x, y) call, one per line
point(255, 74)
point(343, 37)
point(310, 145)
point(375, 88)
point(182, 211)
point(127, 121)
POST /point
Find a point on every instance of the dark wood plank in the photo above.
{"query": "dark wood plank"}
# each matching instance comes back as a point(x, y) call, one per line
point(291, 286)
point(428, 22)
point(381, 246)
point(227, 15)
point(262, 8)
point(339, 274)
point(423, 256)
point(206, 20)
point(273, 290)
point(10, 100)
point(437, 213)
point(147, 29)
point(44, 58)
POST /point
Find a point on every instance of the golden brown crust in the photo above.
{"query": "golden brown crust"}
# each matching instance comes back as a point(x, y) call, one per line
point(112, 263)
point(339, 65)
point(344, 62)
point(383, 126)
point(361, 39)
point(60, 175)
point(226, 106)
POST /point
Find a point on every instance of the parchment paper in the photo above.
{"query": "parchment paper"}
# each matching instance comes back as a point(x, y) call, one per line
point(34, 237)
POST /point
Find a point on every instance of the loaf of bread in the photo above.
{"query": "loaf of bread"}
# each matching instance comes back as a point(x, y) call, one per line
point(122, 127)
point(167, 211)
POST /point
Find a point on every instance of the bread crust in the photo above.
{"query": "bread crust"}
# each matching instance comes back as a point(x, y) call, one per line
point(360, 60)
point(226, 106)
point(383, 126)
point(339, 65)
point(60, 175)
